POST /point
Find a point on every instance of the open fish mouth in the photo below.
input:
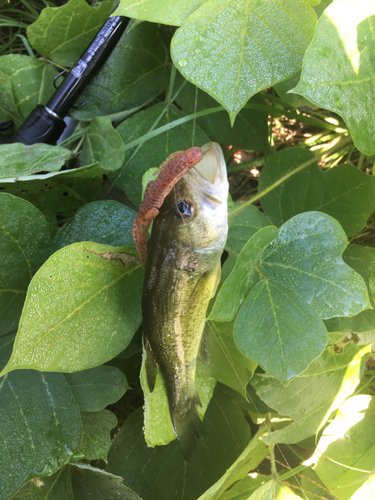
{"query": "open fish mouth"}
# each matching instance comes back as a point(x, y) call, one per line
point(212, 167)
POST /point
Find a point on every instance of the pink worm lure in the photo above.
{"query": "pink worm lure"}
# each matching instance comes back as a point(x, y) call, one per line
point(171, 171)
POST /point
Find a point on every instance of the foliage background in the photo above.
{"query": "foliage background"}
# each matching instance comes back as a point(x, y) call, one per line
point(287, 88)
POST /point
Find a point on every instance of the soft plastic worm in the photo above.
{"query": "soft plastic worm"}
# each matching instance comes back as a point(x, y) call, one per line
point(171, 171)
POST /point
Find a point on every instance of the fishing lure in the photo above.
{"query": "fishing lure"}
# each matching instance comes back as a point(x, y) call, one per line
point(171, 171)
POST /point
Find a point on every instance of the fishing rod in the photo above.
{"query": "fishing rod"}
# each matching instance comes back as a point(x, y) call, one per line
point(46, 123)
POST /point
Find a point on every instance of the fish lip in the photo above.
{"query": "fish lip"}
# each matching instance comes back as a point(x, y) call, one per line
point(212, 167)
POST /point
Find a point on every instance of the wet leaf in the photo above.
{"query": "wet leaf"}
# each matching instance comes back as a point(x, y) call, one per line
point(344, 192)
point(88, 297)
point(274, 315)
point(28, 83)
point(97, 388)
point(77, 481)
point(63, 33)
point(243, 276)
point(250, 130)
point(101, 144)
point(306, 257)
point(96, 428)
point(222, 45)
point(40, 426)
point(18, 159)
point(156, 150)
point(158, 11)
point(310, 398)
point(133, 75)
point(295, 100)
point(346, 450)
point(339, 68)
point(168, 475)
point(25, 243)
point(60, 193)
point(107, 222)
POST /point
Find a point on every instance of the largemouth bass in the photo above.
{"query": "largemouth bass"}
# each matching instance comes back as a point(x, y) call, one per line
point(181, 275)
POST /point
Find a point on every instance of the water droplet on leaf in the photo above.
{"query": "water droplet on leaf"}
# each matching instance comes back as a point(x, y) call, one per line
point(182, 62)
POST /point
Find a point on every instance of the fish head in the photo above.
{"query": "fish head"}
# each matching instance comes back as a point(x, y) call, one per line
point(195, 212)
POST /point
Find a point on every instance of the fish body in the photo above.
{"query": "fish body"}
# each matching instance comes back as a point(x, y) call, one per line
point(181, 275)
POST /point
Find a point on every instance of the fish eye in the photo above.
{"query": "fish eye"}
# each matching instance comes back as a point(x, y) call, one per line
point(184, 209)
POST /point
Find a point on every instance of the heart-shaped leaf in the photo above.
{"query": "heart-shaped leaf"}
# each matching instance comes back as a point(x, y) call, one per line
point(89, 296)
point(158, 11)
point(234, 49)
point(339, 67)
point(25, 243)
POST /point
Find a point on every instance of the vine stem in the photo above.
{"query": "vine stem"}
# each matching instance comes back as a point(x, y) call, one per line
point(274, 474)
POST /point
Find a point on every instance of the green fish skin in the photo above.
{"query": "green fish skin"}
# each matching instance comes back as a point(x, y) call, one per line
point(181, 276)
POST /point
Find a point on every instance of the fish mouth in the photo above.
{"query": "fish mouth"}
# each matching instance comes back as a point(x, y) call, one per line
point(212, 167)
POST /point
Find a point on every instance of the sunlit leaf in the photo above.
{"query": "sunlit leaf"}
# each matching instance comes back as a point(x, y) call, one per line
point(133, 75)
point(344, 192)
point(96, 428)
point(82, 309)
point(223, 44)
point(346, 450)
point(97, 388)
point(295, 100)
point(28, 83)
point(158, 11)
point(63, 33)
point(339, 68)
point(77, 481)
point(310, 398)
point(40, 426)
point(244, 488)
point(306, 257)
point(156, 150)
point(274, 490)
point(25, 243)
point(168, 475)
point(243, 276)
point(18, 159)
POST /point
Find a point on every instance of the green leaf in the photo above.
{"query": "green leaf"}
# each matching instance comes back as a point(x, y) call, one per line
point(234, 49)
point(63, 33)
point(25, 243)
point(227, 363)
point(107, 222)
point(273, 490)
point(60, 193)
point(96, 428)
point(77, 481)
point(243, 223)
point(366, 491)
point(156, 150)
point(250, 130)
point(101, 144)
point(254, 453)
point(40, 426)
point(274, 315)
point(339, 68)
point(133, 75)
point(168, 475)
point(6, 346)
point(97, 388)
point(158, 425)
point(243, 276)
point(158, 11)
point(306, 257)
point(346, 449)
point(362, 322)
point(89, 296)
point(18, 159)
point(244, 488)
point(295, 100)
point(310, 398)
point(344, 192)
point(29, 81)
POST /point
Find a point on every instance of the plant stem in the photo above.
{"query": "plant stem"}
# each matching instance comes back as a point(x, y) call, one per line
point(274, 474)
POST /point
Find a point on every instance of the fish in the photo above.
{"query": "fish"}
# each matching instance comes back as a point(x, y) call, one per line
point(181, 276)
